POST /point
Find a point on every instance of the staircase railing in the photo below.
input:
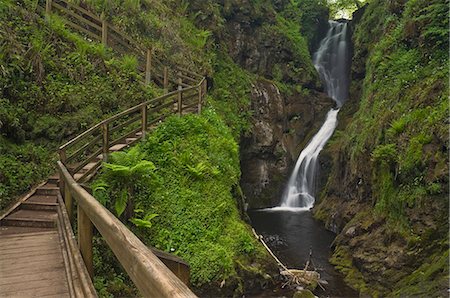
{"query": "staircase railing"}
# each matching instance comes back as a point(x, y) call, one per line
point(150, 275)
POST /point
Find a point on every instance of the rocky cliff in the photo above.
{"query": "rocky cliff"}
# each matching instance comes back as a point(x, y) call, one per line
point(281, 125)
point(272, 41)
point(387, 193)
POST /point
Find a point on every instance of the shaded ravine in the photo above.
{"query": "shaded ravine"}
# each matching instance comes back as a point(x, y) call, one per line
point(332, 62)
point(290, 229)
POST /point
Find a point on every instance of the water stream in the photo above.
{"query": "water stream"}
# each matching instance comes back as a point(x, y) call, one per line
point(290, 229)
point(332, 63)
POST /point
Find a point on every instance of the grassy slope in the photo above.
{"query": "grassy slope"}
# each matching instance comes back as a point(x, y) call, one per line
point(53, 84)
point(399, 136)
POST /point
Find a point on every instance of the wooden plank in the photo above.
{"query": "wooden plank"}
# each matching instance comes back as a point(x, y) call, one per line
point(82, 149)
point(123, 43)
point(84, 30)
point(77, 16)
point(125, 124)
point(43, 290)
point(26, 277)
point(194, 80)
point(127, 38)
point(81, 136)
point(90, 171)
point(85, 235)
point(189, 71)
point(124, 137)
point(150, 275)
point(82, 10)
point(19, 201)
point(76, 270)
point(89, 159)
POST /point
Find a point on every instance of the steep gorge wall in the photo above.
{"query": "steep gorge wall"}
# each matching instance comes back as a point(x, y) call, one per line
point(272, 41)
point(387, 192)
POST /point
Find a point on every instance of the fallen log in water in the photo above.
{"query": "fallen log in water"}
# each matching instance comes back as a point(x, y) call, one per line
point(295, 277)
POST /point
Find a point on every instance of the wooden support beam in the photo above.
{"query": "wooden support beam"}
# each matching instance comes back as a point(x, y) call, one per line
point(85, 235)
point(63, 159)
point(144, 115)
point(48, 6)
point(200, 96)
point(180, 97)
point(104, 30)
point(149, 274)
point(166, 80)
point(148, 67)
point(68, 200)
point(105, 145)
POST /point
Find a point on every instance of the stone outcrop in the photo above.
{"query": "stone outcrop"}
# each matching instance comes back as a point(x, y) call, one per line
point(282, 125)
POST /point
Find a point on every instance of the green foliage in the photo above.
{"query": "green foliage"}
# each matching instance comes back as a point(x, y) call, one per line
point(53, 84)
point(196, 165)
point(231, 95)
point(385, 153)
point(121, 172)
point(301, 69)
point(344, 8)
point(398, 140)
point(430, 277)
point(403, 106)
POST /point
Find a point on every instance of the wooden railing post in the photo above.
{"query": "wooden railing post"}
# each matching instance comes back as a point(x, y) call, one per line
point(205, 87)
point(85, 235)
point(105, 132)
point(104, 30)
point(180, 97)
point(68, 200)
point(200, 96)
point(48, 6)
point(62, 158)
point(166, 80)
point(144, 111)
point(148, 67)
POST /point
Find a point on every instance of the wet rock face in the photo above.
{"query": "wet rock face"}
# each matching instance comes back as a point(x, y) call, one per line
point(281, 126)
point(254, 44)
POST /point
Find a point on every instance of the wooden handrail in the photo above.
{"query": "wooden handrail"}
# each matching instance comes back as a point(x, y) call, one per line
point(149, 274)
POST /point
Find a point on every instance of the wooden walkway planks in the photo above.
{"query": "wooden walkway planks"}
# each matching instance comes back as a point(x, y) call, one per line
point(31, 249)
point(31, 265)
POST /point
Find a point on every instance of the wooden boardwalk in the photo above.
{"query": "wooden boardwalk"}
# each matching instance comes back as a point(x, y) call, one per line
point(31, 258)
point(39, 256)
point(35, 255)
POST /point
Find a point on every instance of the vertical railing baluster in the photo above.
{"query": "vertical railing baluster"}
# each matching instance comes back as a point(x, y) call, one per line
point(144, 112)
point(166, 80)
point(200, 96)
point(180, 96)
point(104, 30)
point(48, 6)
point(85, 235)
point(62, 158)
point(105, 143)
point(148, 67)
point(68, 200)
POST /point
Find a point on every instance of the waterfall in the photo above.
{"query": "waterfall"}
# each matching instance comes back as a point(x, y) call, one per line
point(331, 61)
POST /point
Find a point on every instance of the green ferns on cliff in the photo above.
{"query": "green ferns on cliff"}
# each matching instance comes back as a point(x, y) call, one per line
point(188, 195)
point(397, 150)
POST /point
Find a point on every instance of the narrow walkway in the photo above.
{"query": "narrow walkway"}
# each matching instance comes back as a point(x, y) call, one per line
point(31, 259)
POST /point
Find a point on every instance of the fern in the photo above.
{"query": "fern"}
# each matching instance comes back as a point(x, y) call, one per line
point(121, 202)
point(145, 222)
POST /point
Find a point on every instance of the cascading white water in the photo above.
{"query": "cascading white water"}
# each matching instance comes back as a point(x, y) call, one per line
point(332, 63)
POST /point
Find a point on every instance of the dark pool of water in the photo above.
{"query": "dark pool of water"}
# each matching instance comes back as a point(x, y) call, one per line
point(291, 235)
